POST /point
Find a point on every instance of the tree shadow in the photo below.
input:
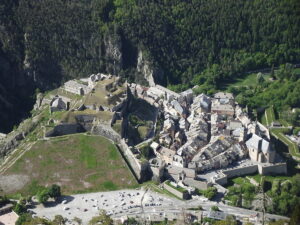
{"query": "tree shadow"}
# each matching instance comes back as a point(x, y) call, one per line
point(54, 202)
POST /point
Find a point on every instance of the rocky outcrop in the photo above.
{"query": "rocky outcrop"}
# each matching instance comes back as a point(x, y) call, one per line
point(151, 73)
point(113, 53)
point(13, 139)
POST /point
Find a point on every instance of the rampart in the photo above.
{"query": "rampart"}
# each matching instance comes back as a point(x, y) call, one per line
point(65, 129)
point(263, 169)
point(106, 131)
point(241, 171)
point(278, 168)
point(138, 168)
point(179, 194)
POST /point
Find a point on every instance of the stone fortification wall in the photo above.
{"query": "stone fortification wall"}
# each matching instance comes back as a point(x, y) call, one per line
point(134, 163)
point(279, 168)
point(264, 169)
point(138, 169)
point(106, 131)
point(65, 129)
point(241, 171)
point(182, 195)
point(222, 180)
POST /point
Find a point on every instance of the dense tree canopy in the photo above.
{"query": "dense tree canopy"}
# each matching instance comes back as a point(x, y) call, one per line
point(183, 37)
point(193, 42)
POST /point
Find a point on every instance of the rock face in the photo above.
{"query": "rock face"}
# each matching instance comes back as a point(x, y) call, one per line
point(152, 74)
point(11, 142)
point(143, 66)
point(113, 53)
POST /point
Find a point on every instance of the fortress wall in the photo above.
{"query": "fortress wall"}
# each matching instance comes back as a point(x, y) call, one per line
point(134, 163)
point(64, 129)
point(108, 132)
point(222, 180)
point(241, 171)
point(175, 192)
point(279, 168)
point(105, 131)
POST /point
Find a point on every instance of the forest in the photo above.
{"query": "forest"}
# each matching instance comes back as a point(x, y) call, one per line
point(193, 42)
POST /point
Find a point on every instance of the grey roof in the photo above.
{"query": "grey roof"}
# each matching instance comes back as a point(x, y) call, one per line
point(59, 103)
point(258, 143)
point(265, 146)
point(238, 131)
point(253, 142)
point(223, 95)
point(217, 215)
point(177, 170)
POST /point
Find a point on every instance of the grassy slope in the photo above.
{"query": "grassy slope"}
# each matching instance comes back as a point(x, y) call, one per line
point(269, 115)
point(293, 148)
point(79, 163)
point(248, 80)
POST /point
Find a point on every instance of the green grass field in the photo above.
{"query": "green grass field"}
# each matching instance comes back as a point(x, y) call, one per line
point(246, 81)
point(297, 70)
point(263, 119)
point(258, 177)
point(79, 163)
point(269, 115)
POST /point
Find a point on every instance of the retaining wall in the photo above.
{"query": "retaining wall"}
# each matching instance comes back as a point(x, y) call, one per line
point(241, 171)
point(182, 195)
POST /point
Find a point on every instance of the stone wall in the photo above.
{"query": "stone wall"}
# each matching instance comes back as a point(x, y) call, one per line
point(182, 195)
point(221, 180)
point(134, 163)
point(279, 168)
point(64, 129)
point(264, 169)
point(140, 170)
point(105, 131)
point(241, 171)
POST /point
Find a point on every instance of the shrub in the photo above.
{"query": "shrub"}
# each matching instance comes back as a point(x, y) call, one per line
point(215, 208)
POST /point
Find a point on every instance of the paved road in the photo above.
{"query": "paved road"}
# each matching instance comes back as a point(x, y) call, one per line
point(125, 203)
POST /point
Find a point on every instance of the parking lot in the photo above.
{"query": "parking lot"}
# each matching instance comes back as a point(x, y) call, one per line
point(127, 203)
point(115, 203)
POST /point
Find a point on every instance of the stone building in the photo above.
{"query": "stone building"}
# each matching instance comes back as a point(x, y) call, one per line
point(222, 108)
point(58, 104)
point(74, 87)
point(260, 149)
